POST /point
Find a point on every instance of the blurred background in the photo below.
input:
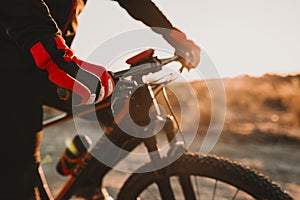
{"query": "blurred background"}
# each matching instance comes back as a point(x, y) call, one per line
point(242, 37)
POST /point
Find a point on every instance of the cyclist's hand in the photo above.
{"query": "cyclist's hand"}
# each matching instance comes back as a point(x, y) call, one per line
point(185, 48)
point(82, 82)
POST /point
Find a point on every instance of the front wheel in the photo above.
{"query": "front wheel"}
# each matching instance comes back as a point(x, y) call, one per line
point(207, 177)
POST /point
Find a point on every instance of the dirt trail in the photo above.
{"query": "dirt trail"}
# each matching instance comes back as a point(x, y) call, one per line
point(275, 155)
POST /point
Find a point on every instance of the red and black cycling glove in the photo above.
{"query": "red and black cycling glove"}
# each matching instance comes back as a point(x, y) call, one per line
point(185, 48)
point(80, 81)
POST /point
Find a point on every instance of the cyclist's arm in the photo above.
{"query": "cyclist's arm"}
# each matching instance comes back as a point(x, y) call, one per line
point(29, 24)
point(147, 12)
point(27, 21)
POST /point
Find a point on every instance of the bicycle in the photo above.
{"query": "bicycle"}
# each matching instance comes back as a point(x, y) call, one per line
point(181, 167)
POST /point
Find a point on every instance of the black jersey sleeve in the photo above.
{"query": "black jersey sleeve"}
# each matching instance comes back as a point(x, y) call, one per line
point(147, 12)
point(26, 21)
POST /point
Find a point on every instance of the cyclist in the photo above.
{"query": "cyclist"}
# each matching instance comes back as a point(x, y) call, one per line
point(36, 59)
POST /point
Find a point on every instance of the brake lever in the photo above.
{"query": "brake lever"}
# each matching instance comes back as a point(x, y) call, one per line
point(165, 61)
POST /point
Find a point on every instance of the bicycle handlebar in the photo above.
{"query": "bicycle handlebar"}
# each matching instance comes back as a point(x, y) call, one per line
point(151, 65)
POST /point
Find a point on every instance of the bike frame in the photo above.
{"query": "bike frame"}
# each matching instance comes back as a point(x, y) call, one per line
point(90, 171)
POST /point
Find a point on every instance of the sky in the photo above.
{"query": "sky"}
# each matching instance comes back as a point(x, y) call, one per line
point(239, 36)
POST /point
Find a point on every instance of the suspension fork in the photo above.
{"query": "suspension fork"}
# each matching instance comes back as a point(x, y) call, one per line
point(170, 128)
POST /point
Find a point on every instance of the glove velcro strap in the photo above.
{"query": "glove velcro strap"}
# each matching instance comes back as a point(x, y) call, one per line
point(40, 55)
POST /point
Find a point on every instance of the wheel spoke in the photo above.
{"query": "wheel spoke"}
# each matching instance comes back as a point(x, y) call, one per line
point(212, 184)
point(165, 189)
point(215, 189)
point(197, 187)
point(187, 187)
point(235, 194)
